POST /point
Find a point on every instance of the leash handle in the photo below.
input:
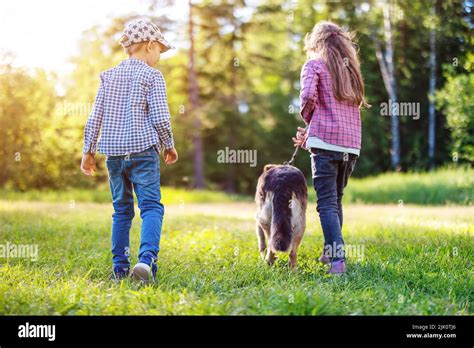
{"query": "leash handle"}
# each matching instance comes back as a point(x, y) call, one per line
point(292, 159)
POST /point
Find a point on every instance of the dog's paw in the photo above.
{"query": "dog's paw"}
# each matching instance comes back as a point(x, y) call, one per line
point(292, 266)
point(270, 259)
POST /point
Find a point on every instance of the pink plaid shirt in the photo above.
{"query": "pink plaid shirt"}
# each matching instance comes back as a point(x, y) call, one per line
point(335, 122)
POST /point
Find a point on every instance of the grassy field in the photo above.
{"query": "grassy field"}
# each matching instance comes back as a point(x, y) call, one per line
point(415, 260)
point(170, 195)
point(448, 186)
point(445, 186)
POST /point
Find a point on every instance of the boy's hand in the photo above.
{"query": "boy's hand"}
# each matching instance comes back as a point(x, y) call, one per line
point(300, 137)
point(88, 164)
point(170, 155)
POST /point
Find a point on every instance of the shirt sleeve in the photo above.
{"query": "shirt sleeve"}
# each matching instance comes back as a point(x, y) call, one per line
point(309, 91)
point(159, 112)
point(94, 122)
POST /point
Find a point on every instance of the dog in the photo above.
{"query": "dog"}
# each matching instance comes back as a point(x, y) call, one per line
point(281, 197)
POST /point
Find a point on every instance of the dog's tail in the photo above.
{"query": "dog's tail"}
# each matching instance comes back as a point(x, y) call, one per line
point(281, 230)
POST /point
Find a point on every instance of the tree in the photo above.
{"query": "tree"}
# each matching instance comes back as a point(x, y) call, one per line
point(456, 99)
point(432, 88)
point(239, 87)
point(387, 68)
point(36, 149)
point(198, 156)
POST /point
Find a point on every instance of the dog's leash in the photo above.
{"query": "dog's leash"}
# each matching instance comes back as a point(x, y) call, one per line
point(292, 159)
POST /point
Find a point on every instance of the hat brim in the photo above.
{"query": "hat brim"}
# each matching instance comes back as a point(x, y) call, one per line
point(166, 44)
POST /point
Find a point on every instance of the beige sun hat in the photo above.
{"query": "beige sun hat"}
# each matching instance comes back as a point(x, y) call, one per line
point(142, 31)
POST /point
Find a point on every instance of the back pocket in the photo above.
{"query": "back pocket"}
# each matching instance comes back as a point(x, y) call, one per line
point(145, 170)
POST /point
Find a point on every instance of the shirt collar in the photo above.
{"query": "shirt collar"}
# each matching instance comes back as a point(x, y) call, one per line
point(133, 61)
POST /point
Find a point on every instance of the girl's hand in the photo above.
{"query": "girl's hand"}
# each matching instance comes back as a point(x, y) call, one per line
point(88, 164)
point(300, 137)
point(170, 155)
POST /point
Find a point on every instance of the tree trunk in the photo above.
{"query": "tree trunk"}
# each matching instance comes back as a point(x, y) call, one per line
point(394, 124)
point(198, 156)
point(432, 88)
point(387, 69)
point(232, 141)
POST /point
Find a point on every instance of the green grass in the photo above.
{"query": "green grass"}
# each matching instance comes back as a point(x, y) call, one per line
point(170, 195)
point(440, 187)
point(417, 260)
point(448, 186)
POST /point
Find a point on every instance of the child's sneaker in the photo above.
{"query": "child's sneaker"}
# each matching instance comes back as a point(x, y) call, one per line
point(337, 267)
point(143, 272)
point(119, 273)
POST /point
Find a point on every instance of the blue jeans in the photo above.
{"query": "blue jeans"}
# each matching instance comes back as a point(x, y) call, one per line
point(331, 171)
point(139, 172)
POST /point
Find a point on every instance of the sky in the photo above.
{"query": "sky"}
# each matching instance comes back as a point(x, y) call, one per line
point(28, 27)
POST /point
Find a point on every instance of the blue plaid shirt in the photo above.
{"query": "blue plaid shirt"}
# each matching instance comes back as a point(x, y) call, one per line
point(130, 111)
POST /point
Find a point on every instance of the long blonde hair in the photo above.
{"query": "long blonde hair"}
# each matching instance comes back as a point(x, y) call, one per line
point(337, 48)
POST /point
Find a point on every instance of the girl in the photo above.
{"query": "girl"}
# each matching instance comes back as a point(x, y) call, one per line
point(332, 91)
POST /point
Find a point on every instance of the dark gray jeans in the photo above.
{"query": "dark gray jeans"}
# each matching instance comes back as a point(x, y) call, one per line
point(331, 171)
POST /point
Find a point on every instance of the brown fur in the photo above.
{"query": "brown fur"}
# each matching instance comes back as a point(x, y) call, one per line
point(281, 199)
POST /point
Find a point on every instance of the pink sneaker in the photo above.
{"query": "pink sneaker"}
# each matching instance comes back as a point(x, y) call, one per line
point(337, 267)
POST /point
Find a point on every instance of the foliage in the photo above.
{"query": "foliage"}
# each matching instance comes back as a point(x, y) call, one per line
point(457, 99)
point(248, 60)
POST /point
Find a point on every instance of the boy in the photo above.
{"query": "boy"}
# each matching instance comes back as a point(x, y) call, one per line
point(131, 112)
